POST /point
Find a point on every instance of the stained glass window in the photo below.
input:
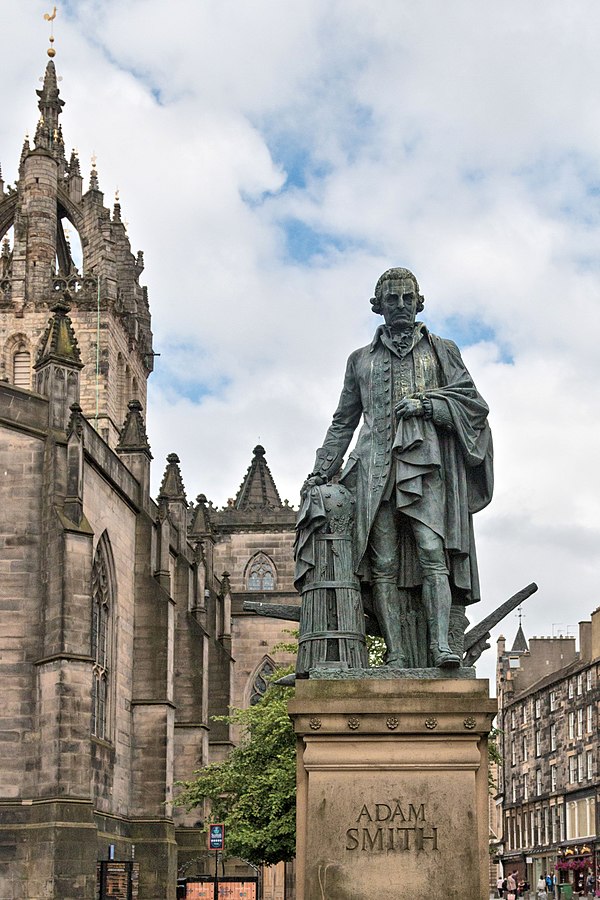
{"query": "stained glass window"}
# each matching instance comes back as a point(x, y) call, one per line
point(260, 574)
point(100, 649)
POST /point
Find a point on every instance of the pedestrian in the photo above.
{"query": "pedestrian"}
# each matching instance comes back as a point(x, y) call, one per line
point(541, 888)
point(589, 884)
point(549, 884)
point(500, 886)
point(511, 887)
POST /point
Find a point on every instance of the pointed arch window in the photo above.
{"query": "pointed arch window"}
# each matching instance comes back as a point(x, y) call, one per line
point(261, 680)
point(260, 574)
point(101, 644)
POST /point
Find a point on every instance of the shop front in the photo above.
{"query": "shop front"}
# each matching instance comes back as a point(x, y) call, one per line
point(576, 865)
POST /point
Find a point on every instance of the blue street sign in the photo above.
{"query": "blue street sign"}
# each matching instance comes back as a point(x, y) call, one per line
point(216, 837)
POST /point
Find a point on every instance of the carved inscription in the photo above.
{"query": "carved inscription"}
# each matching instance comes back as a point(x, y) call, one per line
point(392, 827)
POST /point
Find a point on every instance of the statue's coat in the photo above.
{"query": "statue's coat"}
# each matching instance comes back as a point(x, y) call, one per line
point(457, 442)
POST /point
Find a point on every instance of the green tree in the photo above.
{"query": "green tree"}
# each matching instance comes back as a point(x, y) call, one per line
point(253, 791)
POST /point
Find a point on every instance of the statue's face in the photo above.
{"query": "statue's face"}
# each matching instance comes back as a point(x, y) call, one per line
point(399, 302)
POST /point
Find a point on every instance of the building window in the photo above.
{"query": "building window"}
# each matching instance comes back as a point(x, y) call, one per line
point(589, 718)
point(513, 753)
point(260, 681)
point(525, 786)
point(580, 767)
point(571, 725)
point(572, 769)
point(524, 749)
point(580, 722)
point(588, 680)
point(571, 691)
point(579, 684)
point(525, 713)
point(538, 781)
point(538, 743)
point(260, 574)
point(552, 701)
point(589, 765)
point(102, 610)
point(581, 816)
point(22, 369)
point(513, 723)
point(561, 822)
point(553, 736)
point(552, 777)
point(513, 790)
point(538, 708)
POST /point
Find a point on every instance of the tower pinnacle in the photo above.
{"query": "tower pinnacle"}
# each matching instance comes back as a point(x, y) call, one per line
point(50, 105)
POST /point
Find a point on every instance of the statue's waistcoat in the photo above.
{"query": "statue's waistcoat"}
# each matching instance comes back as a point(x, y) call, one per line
point(384, 379)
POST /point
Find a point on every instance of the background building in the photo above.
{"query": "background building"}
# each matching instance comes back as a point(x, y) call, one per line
point(121, 622)
point(548, 784)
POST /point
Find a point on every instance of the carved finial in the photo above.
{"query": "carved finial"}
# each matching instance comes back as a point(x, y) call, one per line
point(74, 167)
point(94, 186)
point(117, 208)
point(59, 341)
point(42, 135)
point(172, 484)
point(225, 584)
point(200, 524)
point(133, 434)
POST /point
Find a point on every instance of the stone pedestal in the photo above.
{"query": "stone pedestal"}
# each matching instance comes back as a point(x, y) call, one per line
point(392, 789)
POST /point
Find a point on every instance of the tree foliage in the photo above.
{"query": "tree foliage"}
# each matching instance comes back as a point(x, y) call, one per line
point(253, 791)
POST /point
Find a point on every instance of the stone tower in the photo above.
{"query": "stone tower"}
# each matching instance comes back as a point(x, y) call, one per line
point(109, 307)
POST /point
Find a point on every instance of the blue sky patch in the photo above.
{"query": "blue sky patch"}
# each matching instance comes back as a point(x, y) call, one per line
point(466, 331)
point(303, 242)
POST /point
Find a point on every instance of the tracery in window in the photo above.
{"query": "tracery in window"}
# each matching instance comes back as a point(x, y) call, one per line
point(102, 612)
point(260, 574)
point(261, 680)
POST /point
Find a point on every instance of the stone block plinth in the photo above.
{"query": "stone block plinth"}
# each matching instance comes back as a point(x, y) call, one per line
point(392, 789)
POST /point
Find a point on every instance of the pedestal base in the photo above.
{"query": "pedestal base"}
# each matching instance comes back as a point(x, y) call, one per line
point(392, 789)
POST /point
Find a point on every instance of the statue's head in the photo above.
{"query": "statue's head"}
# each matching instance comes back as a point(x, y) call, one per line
point(402, 278)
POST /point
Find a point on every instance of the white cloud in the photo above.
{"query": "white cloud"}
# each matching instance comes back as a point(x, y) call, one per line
point(460, 139)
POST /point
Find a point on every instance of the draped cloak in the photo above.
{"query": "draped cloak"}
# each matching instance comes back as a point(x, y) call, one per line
point(402, 461)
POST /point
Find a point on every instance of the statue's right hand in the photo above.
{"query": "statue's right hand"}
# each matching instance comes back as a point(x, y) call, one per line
point(311, 481)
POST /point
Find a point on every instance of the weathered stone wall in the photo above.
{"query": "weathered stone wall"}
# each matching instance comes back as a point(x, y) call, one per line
point(21, 468)
point(108, 512)
point(254, 637)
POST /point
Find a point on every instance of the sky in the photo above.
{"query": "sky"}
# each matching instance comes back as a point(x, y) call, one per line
point(273, 159)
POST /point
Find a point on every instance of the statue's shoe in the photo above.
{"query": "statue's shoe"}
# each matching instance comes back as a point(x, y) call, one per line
point(396, 661)
point(446, 659)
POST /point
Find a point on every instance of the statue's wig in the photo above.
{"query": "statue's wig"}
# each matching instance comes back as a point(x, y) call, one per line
point(395, 275)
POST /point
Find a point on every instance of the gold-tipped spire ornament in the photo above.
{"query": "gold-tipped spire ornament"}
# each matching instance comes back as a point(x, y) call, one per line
point(50, 17)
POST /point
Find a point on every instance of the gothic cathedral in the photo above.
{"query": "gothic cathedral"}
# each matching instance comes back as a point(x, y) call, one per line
point(122, 629)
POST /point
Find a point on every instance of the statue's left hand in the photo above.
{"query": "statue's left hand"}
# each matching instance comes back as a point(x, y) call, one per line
point(311, 481)
point(409, 407)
